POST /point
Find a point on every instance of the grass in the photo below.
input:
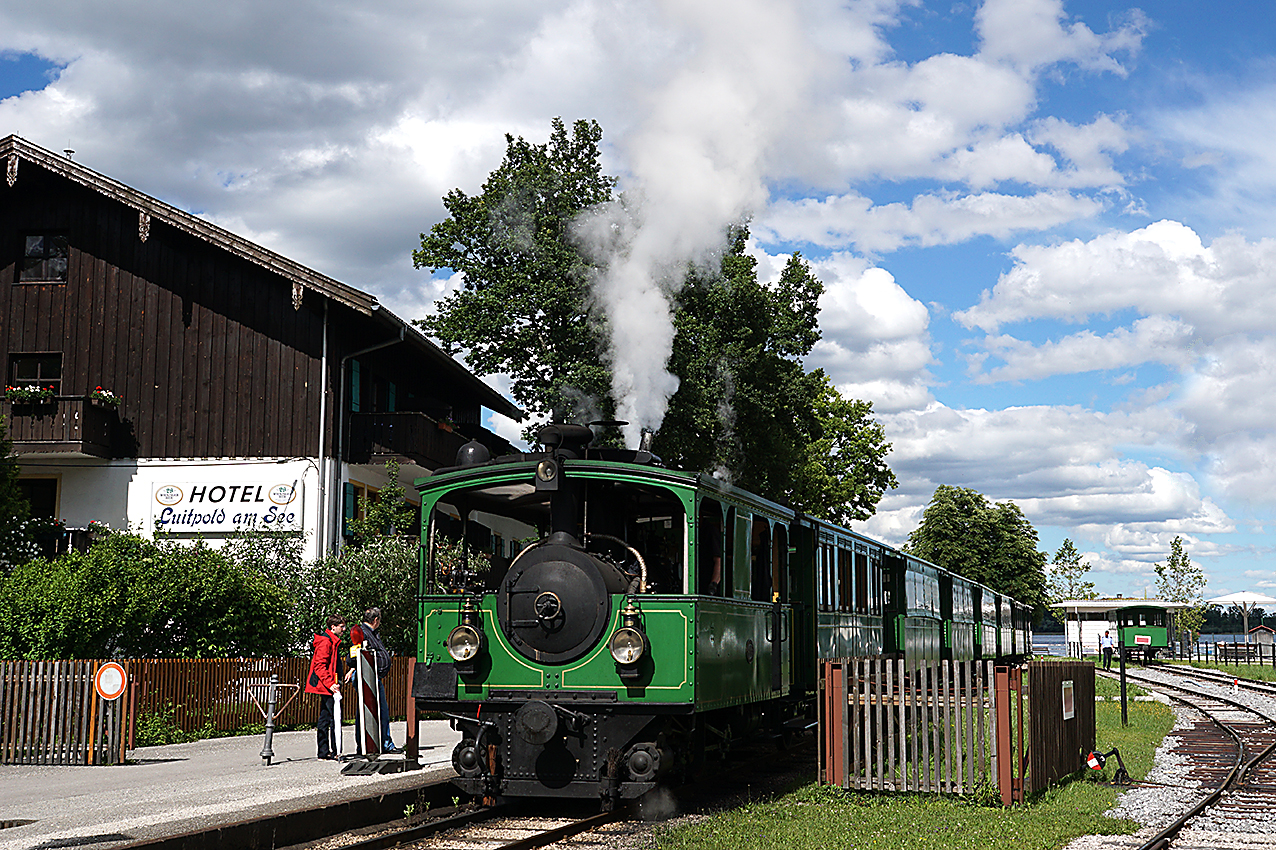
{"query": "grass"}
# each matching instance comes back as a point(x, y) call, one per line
point(1262, 673)
point(816, 816)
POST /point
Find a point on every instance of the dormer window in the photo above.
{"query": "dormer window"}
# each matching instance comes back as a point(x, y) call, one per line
point(44, 258)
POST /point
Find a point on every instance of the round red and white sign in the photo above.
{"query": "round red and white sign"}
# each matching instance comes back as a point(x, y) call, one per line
point(109, 680)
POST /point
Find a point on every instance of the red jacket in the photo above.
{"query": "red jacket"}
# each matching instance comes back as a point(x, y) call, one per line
point(323, 664)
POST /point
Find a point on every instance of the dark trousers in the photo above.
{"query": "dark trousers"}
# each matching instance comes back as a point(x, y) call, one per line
point(325, 730)
point(1107, 658)
point(387, 742)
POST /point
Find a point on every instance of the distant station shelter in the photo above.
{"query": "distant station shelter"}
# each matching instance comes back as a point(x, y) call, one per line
point(1136, 622)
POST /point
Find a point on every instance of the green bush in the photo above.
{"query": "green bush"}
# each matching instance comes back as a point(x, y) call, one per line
point(135, 598)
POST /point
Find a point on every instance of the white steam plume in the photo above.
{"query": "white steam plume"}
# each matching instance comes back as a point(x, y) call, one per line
point(697, 163)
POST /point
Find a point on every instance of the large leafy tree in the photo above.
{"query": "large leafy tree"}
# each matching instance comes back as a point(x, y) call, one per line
point(1179, 580)
point(1067, 575)
point(746, 407)
point(524, 294)
point(844, 473)
point(993, 544)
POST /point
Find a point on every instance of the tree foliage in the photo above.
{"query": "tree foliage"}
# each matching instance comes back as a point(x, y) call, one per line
point(1067, 575)
point(746, 407)
point(525, 287)
point(1179, 580)
point(844, 473)
point(993, 544)
point(134, 598)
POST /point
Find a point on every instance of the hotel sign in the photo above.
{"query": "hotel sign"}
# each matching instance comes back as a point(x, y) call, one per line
point(220, 507)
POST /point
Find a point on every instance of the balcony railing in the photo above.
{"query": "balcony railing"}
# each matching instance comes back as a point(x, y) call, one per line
point(65, 424)
point(408, 434)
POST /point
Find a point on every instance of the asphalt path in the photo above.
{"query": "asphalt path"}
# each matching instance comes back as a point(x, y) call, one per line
point(179, 788)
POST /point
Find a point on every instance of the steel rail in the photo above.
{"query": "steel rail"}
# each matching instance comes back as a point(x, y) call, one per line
point(422, 831)
point(1234, 777)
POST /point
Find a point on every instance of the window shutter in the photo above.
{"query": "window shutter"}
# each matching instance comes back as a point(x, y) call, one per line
point(354, 386)
point(348, 513)
point(391, 400)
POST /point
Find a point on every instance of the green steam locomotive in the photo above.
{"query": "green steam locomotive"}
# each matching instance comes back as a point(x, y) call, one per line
point(593, 622)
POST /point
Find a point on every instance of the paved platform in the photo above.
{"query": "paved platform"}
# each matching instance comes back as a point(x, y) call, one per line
point(180, 788)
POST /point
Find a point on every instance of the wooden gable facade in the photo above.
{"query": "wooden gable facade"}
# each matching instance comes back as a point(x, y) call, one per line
point(216, 348)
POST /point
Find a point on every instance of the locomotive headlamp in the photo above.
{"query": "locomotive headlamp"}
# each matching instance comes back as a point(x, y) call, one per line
point(464, 643)
point(547, 474)
point(628, 643)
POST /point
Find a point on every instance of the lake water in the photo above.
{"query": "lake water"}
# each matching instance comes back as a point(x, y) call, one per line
point(1053, 644)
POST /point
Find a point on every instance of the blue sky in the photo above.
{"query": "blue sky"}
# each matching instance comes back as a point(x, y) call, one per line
point(1044, 227)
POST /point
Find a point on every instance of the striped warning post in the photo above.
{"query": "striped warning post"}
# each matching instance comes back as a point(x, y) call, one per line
point(369, 705)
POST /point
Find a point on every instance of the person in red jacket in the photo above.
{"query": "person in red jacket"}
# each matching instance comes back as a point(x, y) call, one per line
point(322, 680)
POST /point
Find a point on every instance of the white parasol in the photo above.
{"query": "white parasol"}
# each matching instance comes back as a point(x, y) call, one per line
point(1244, 600)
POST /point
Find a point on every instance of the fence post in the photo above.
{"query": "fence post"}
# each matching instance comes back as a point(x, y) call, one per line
point(1001, 722)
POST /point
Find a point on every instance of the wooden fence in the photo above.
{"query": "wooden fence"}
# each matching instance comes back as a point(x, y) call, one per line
point(952, 727)
point(50, 714)
point(218, 693)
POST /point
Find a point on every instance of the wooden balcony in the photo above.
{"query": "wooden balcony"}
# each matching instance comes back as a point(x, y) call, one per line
point(376, 436)
point(72, 424)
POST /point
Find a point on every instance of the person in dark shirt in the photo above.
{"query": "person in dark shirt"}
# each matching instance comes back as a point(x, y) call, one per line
point(381, 663)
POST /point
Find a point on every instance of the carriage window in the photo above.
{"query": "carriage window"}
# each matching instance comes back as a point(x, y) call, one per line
point(779, 563)
point(760, 554)
point(828, 577)
point(846, 573)
point(875, 574)
point(710, 548)
point(475, 534)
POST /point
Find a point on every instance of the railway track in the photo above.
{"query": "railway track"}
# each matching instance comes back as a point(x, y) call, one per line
point(1230, 761)
point(758, 771)
point(495, 828)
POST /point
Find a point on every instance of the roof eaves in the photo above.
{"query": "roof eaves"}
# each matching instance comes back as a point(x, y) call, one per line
point(14, 149)
point(489, 397)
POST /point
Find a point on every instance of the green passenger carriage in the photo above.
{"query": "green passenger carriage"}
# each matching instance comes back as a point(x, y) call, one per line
point(1142, 629)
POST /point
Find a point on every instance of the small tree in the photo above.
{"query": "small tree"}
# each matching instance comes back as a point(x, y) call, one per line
point(1067, 575)
point(388, 514)
point(1179, 580)
point(16, 545)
